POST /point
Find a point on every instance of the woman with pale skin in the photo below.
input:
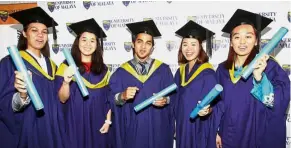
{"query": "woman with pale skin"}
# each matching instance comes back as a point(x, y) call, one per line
point(251, 111)
point(195, 78)
point(21, 125)
point(87, 119)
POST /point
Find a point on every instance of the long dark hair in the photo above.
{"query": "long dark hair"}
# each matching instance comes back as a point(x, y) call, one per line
point(201, 58)
point(22, 44)
point(232, 55)
point(97, 66)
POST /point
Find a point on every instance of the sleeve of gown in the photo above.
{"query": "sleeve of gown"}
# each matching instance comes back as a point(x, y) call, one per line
point(263, 91)
point(175, 96)
point(116, 88)
point(281, 84)
point(219, 109)
point(209, 81)
point(7, 115)
point(108, 96)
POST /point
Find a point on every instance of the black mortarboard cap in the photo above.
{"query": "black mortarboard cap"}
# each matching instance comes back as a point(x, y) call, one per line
point(148, 27)
point(89, 25)
point(245, 17)
point(35, 15)
point(194, 30)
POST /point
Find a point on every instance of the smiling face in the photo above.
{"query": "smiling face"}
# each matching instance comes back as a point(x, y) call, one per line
point(190, 48)
point(243, 39)
point(36, 35)
point(87, 43)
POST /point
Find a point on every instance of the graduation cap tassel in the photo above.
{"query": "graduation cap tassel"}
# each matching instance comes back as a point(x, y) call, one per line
point(54, 31)
point(101, 39)
point(208, 44)
point(259, 24)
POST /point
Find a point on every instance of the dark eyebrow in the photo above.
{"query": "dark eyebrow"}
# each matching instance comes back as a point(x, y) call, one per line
point(190, 42)
point(250, 33)
point(247, 33)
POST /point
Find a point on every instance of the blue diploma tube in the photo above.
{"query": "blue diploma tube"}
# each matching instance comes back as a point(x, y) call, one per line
point(33, 94)
point(77, 75)
point(266, 50)
point(150, 100)
point(215, 91)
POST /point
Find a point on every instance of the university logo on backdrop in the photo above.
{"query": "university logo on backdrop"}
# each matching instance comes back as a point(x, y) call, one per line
point(59, 47)
point(88, 4)
point(125, 3)
point(106, 24)
point(112, 67)
point(4, 15)
point(116, 23)
point(127, 46)
point(55, 48)
point(171, 45)
point(220, 44)
point(52, 6)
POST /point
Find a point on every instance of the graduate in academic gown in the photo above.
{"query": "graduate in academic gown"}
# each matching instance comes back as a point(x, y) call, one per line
point(252, 110)
point(21, 125)
point(87, 119)
point(195, 79)
point(135, 81)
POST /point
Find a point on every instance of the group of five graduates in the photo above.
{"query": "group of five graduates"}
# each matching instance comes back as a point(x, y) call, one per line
point(249, 113)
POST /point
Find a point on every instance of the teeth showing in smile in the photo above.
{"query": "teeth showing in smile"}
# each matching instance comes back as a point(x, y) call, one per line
point(242, 47)
point(189, 54)
point(39, 41)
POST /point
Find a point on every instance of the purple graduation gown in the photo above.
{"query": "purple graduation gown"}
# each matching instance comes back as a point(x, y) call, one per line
point(151, 127)
point(199, 132)
point(29, 128)
point(245, 121)
point(84, 116)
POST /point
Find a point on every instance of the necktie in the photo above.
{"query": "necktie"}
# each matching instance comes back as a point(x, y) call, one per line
point(143, 68)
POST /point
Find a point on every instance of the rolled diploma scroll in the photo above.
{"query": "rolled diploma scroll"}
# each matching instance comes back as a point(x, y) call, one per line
point(215, 91)
point(33, 94)
point(150, 100)
point(77, 75)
